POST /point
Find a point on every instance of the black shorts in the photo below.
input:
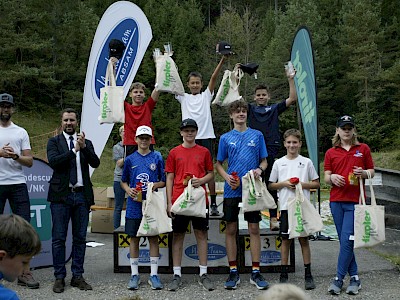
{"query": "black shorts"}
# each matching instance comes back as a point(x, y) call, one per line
point(284, 225)
point(132, 226)
point(180, 223)
point(209, 144)
point(231, 211)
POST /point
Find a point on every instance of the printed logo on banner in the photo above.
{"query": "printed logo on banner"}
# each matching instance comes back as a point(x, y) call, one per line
point(123, 240)
point(222, 226)
point(215, 252)
point(127, 31)
point(270, 256)
point(41, 218)
point(144, 256)
point(163, 240)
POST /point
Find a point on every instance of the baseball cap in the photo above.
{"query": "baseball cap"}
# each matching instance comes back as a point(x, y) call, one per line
point(345, 120)
point(224, 48)
point(144, 130)
point(249, 68)
point(116, 48)
point(188, 123)
point(7, 98)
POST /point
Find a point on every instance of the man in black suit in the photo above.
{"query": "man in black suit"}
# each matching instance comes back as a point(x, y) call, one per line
point(71, 195)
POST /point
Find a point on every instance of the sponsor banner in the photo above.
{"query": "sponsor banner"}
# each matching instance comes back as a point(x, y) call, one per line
point(144, 251)
point(303, 60)
point(270, 251)
point(216, 246)
point(124, 21)
point(37, 180)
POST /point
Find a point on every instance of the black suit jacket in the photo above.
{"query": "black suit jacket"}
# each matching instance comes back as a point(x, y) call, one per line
point(59, 157)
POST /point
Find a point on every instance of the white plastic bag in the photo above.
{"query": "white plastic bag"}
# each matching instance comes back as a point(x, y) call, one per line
point(111, 99)
point(255, 195)
point(369, 220)
point(228, 91)
point(303, 218)
point(155, 220)
point(167, 76)
point(192, 202)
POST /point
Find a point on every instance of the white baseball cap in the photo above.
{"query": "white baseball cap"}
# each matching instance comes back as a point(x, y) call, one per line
point(144, 130)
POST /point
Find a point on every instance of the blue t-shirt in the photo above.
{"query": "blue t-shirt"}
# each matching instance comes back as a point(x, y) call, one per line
point(5, 293)
point(266, 120)
point(141, 168)
point(244, 151)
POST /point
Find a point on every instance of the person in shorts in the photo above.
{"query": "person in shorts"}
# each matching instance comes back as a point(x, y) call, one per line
point(188, 160)
point(293, 165)
point(140, 168)
point(244, 149)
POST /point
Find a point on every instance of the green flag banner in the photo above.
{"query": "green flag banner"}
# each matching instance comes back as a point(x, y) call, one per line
point(303, 60)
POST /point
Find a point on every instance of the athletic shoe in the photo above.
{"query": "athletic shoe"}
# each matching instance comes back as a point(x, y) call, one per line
point(232, 281)
point(80, 283)
point(214, 210)
point(155, 282)
point(134, 282)
point(336, 286)
point(273, 224)
point(309, 283)
point(354, 286)
point(175, 283)
point(206, 282)
point(27, 279)
point(258, 280)
point(284, 278)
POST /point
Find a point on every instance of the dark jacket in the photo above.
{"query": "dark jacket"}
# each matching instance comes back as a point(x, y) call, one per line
point(59, 157)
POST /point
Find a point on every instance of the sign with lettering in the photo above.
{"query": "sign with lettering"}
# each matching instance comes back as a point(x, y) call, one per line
point(126, 22)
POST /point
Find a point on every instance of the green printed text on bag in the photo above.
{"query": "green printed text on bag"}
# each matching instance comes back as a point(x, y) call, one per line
point(299, 218)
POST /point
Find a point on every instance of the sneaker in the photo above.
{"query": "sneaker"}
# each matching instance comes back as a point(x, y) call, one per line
point(335, 287)
point(27, 280)
point(309, 283)
point(273, 224)
point(232, 281)
point(59, 285)
point(155, 282)
point(134, 282)
point(258, 280)
point(284, 278)
point(175, 283)
point(80, 283)
point(214, 210)
point(206, 282)
point(354, 286)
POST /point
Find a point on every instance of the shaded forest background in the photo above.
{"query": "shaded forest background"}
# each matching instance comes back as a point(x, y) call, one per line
point(45, 48)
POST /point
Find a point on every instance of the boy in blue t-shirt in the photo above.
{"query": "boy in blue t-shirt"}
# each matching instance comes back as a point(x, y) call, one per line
point(245, 150)
point(140, 168)
point(18, 243)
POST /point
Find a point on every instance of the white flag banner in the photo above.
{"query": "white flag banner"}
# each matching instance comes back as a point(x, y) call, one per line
point(126, 22)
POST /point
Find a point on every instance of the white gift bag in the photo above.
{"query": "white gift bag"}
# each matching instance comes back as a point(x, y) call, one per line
point(255, 195)
point(369, 220)
point(192, 202)
point(303, 218)
point(167, 76)
point(111, 99)
point(228, 91)
point(155, 219)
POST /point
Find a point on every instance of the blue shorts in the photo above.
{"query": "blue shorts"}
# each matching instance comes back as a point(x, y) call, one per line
point(132, 226)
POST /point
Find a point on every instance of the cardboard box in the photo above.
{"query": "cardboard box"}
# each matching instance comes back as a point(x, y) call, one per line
point(103, 221)
point(100, 193)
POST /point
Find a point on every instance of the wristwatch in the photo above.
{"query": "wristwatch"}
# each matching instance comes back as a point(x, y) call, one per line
point(15, 157)
point(261, 169)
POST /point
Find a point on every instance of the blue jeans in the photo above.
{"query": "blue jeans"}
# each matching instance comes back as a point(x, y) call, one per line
point(119, 197)
point(18, 198)
point(76, 210)
point(343, 216)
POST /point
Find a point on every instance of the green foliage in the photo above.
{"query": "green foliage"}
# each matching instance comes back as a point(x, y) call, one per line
point(45, 49)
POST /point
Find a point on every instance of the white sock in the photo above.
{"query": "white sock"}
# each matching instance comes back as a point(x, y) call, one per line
point(355, 277)
point(203, 270)
point(134, 265)
point(177, 271)
point(153, 266)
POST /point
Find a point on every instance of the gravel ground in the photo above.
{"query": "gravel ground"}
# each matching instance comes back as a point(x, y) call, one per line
point(380, 278)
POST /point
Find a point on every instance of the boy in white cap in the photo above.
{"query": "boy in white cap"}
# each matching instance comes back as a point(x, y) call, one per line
point(140, 168)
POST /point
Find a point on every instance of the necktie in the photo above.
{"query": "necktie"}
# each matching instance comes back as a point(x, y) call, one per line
point(73, 176)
